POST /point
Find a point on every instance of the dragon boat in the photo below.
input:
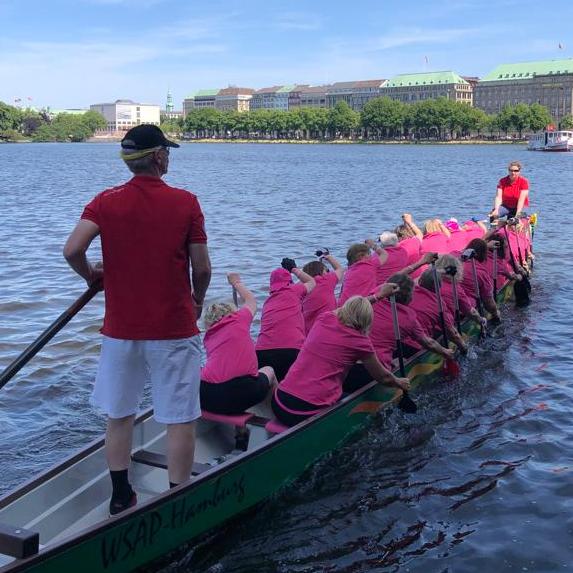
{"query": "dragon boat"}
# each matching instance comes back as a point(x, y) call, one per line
point(59, 520)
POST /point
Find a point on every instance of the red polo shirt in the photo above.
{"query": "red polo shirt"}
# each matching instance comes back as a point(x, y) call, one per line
point(145, 227)
point(511, 191)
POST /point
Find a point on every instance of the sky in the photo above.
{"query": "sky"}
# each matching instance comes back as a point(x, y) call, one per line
point(70, 54)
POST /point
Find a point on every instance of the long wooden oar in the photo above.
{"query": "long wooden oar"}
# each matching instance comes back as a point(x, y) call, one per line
point(406, 403)
point(451, 367)
point(495, 273)
point(48, 334)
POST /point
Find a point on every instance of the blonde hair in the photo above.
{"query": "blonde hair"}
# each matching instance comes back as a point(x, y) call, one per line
point(217, 311)
point(515, 164)
point(356, 313)
point(445, 261)
point(432, 226)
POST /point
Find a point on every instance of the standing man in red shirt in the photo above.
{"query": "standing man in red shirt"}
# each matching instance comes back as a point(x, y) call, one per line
point(149, 232)
point(512, 193)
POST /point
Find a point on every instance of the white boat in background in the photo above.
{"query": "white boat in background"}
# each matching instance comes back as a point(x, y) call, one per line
point(551, 141)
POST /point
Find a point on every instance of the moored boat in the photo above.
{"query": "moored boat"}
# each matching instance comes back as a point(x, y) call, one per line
point(67, 505)
point(548, 140)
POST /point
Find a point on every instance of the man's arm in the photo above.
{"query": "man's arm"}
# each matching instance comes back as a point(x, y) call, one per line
point(75, 251)
point(427, 259)
point(304, 278)
point(200, 273)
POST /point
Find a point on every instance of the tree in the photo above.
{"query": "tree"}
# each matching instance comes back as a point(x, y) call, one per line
point(520, 117)
point(566, 122)
point(342, 120)
point(384, 115)
point(94, 121)
point(539, 117)
point(10, 117)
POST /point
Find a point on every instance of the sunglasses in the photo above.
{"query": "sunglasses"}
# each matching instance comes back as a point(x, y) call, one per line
point(514, 170)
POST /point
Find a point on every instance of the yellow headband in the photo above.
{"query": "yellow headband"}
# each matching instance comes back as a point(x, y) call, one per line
point(139, 155)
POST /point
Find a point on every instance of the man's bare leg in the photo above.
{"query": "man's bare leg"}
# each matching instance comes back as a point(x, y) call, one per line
point(180, 451)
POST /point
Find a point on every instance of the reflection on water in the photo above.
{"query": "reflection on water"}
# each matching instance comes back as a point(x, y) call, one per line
point(479, 479)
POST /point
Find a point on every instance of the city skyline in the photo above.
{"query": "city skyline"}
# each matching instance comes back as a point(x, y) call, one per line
point(74, 54)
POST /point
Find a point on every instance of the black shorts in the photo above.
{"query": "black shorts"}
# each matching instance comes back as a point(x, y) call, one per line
point(357, 377)
point(292, 403)
point(235, 395)
point(281, 359)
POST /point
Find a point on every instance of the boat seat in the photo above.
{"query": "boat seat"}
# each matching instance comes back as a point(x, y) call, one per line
point(275, 427)
point(160, 461)
point(237, 420)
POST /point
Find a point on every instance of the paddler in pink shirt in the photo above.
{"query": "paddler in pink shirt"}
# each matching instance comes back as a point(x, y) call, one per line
point(382, 333)
point(436, 237)
point(425, 304)
point(336, 341)
point(231, 380)
point(282, 323)
point(322, 298)
point(360, 276)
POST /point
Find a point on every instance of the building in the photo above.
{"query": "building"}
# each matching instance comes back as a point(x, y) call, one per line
point(355, 94)
point(410, 88)
point(200, 99)
point(265, 98)
point(294, 96)
point(234, 99)
point(312, 96)
point(123, 114)
point(52, 113)
point(549, 83)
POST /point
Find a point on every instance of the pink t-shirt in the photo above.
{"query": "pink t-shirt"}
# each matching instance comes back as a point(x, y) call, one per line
point(465, 303)
point(425, 303)
point(413, 246)
point(502, 266)
point(458, 240)
point(382, 333)
point(321, 299)
point(230, 348)
point(282, 323)
point(473, 231)
point(435, 243)
point(485, 283)
point(324, 361)
point(360, 278)
point(396, 261)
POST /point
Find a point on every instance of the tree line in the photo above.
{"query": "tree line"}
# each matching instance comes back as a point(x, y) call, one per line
point(21, 124)
point(381, 119)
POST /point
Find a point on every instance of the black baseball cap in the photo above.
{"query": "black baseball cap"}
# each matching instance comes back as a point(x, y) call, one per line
point(145, 136)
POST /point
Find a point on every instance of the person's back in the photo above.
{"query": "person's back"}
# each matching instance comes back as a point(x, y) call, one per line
point(144, 226)
point(425, 304)
point(396, 260)
point(320, 300)
point(282, 322)
point(330, 349)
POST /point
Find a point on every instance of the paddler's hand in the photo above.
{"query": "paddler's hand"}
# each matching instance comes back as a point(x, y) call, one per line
point(402, 383)
point(449, 354)
point(370, 243)
point(386, 290)
point(233, 278)
point(429, 258)
point(96, 275)
point(288, 264)
point(407, 218)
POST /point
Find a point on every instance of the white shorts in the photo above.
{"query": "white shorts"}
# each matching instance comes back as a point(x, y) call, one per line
point(172, 366)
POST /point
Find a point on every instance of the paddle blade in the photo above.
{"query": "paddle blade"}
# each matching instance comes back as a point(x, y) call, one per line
point(451, 368)
point(407, 405)
point(521, 291)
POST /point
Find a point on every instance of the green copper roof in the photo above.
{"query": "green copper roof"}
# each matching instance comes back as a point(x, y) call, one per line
point(528, 70)
point(286, 89)
point(203, 93)
point(424, 79)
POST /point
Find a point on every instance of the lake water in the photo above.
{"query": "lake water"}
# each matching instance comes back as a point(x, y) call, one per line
point(480, 480)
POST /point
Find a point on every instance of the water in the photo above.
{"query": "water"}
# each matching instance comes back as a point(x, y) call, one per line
point(480, 479)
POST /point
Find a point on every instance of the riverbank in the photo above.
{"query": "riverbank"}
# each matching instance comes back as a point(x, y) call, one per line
point(332, 141)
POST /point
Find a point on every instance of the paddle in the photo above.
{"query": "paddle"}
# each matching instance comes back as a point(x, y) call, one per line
point(451, 367)
point(235, 297)
point(495, 273)
point(48, 334)
point(520, 289)
point(406, 404)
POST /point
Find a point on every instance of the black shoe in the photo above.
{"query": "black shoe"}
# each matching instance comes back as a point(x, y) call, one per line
point(121, 504)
